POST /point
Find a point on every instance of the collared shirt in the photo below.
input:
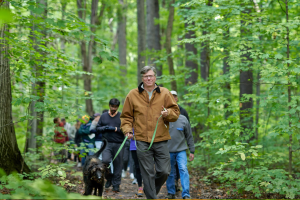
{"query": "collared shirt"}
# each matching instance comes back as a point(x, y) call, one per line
point(149, 93)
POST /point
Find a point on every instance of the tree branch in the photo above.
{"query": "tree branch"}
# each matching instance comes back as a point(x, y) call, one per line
point(100, 16)
point(281, 6)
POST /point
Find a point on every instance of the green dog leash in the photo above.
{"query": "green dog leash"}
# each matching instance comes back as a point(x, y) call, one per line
point(135, 143)
point(152, 137)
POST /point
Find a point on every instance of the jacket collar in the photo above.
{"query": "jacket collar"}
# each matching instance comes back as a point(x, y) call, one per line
point(142, 89)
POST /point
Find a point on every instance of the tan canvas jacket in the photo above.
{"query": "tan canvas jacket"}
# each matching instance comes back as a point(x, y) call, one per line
point(141, 114)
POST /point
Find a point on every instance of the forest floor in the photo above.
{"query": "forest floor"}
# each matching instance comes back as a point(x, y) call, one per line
point(198, 189)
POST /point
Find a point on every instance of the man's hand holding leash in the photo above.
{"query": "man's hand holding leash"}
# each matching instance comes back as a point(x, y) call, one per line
point(164, 112)
point(129, 135)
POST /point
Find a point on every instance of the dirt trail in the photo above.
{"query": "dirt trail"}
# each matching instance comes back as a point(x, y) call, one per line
point(129, 190)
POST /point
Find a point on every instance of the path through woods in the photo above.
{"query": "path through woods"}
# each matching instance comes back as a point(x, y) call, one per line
point(198, 189)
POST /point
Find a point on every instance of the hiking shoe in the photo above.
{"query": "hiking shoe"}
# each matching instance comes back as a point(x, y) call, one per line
point(108, 183)
point(134, 181)
point(170, 196)
point(123, 174)
point(140, 192)
point(186, 197)
point(116, 188)
point(131, 175)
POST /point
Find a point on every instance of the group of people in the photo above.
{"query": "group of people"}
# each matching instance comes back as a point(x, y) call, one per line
point(158, 130)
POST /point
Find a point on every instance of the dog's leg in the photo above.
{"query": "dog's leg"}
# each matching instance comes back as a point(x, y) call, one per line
point(100, 188)
point(95, 190)
point(88, 188)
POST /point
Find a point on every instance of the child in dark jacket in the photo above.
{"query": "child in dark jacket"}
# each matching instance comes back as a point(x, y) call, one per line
point(88, 138)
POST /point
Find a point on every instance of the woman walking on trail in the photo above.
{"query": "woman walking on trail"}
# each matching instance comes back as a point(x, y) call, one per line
point(145, 107)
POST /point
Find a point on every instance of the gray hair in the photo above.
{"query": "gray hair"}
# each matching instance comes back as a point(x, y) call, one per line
point(146, 69)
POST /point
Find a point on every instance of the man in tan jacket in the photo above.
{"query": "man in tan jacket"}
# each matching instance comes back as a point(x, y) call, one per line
point(142, 109)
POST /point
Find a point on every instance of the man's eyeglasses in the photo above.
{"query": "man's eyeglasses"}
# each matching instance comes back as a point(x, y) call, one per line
point(149, 76)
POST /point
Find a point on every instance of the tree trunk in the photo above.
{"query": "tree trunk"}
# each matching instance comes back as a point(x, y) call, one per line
point(246, 82)
point(226, 71)
point(31, 124)
point(168, 44)
point(153, 33)
point(191, 51)
point(289, 87)
point(257, 104)
point(205, 62)
point(205, 53)
point(40, 74)
point(88, 49)
point(35, 125)
point(122, 39)
point(205, 59)
point(141, 37)
point(11, 158)
point(63, 10)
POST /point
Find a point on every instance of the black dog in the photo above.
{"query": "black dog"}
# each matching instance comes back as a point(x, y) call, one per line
point(94, 172)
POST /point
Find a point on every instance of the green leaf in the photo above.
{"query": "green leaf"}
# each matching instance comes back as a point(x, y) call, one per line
point(98, 60)
point(278, 56)
point(6, 16)
point(243, 157)
point(62, 183)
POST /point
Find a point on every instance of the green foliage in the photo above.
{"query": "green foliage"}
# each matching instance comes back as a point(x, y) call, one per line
point(55, 171)
point(247, 169)
point(221, 138)
point(34, 189)
point(6, 16)
point(221, 142)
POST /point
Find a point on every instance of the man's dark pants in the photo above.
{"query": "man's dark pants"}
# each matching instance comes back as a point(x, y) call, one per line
point(108, 155)
point(159, 156)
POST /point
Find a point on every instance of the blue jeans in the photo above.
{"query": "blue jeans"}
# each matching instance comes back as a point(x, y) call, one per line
point(88, 146)
point(181, 159)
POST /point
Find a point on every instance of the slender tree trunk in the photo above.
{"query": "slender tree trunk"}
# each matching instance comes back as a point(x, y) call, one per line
point(246, 81)
point(289, 86)
point(162, 29)
point(191, 51)
point(40, 73)
point(168, 44)
point(157, 44)
point(98, 23)
point(205, 53)
point(141, 37)
point(257, 104)
point(88, 49)
point(32, 123)
point(205, 59)
point(63, 10)
point(11, 158)
point(150, 30)
point(258, 10)
point(122, 39)
point(226, 70)
point(153, 33)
